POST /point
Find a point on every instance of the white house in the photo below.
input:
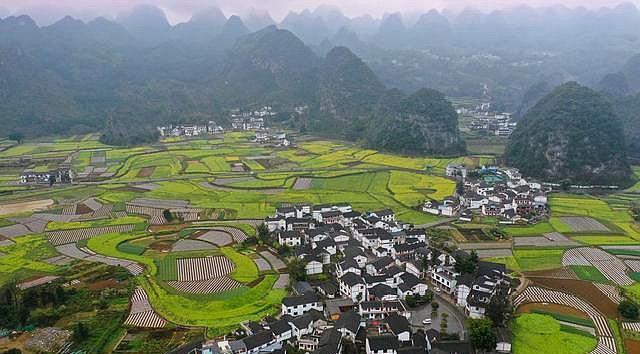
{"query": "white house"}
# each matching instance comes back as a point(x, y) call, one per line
point(299, 304)
point(313, 267)
point(353, 286)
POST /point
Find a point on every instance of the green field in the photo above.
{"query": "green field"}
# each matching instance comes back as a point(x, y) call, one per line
point(536, 333)
point(589, 273)
point(538, 259)
point(24, 258)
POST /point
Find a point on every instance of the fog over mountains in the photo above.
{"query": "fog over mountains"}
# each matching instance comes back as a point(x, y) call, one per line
point(102, 74)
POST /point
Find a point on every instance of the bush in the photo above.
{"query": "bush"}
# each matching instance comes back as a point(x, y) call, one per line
point(628, 310)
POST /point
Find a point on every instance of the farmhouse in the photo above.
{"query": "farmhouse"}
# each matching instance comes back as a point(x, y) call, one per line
point(59, 176)
point(300, 304)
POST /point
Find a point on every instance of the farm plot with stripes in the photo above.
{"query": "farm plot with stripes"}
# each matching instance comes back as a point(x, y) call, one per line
point(62, 237)
point(534, 294)
point(202, 275)
point(141, 313)
point(610, 266)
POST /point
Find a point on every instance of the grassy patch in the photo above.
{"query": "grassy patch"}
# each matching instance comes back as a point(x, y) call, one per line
point(538, 259)
point(24, 258)
point(589, 273)
point(529, 230)
point(246, 270)
point(535, 333)
point(566, 318)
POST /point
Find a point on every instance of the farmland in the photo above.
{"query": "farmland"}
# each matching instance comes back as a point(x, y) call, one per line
point(196, 273)
point(535, 333)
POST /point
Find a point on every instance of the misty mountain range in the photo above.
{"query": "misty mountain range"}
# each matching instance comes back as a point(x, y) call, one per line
point(102, 74)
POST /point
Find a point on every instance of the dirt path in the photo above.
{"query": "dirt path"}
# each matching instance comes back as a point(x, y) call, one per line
point(22, 207)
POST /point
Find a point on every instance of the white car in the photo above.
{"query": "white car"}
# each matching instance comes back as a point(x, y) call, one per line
point(426, 321)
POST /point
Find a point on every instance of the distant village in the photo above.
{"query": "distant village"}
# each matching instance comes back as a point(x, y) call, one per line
point(367, 279)
point(241, 120)
point(486, 121)
point(491, 192)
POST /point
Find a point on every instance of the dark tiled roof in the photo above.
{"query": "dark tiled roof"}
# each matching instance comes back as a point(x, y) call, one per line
point(382, 263)
point(258, 339)
point(380, 290)
point(398, 323)
point(352, 279)
point(384, 342)
point(306, 298)
point(280, 327)
point(349, 320)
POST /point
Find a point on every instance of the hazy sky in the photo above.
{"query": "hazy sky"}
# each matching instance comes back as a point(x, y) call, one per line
point(181, 10)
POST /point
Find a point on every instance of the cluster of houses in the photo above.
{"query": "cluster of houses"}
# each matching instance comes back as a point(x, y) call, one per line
point(492, 192)
point(276, 139)
point(189, 130)
point(249, 120)
point(486, 121)
point(362, 269)
point(58, 176)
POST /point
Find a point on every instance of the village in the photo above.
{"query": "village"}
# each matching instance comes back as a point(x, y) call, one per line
point(492, 192)
point(484, 120)
point(369, 283)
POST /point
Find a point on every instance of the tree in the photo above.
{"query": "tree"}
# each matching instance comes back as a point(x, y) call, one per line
point(80, 332)
point(167, 215)
point(499, 308)
point(483, 336)
point(444, 323)
point(628, 310)
point(263, 233)
point(296, 268)
point(467, 265)
point(434, 306)
point(17, 137)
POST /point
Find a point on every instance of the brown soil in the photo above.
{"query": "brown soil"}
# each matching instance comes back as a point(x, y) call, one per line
point(162, 246)
point(104, 284)
point(146, 171)
point(582, 289)
point(565, 310)
point(167, 227)
point(197, 234)
point(633, 346)
point(83, 209)
point(22, 207)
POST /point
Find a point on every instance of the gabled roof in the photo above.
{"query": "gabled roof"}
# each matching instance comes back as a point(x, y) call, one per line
point(398, 323)
point(393, 271)
point(382, 263)
point(327, 242)
point(306, 298)
point(352, 214)
point(348, 263)
point(328, 287)
point(352, 279)
point(409, 279)
point(280, 327)
point(383, 343)
point(381, 290)
point(301, 287)
point(349, 320)
point(372, 279)
point(384, 212)
point(258, 339)
point(353, 251)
